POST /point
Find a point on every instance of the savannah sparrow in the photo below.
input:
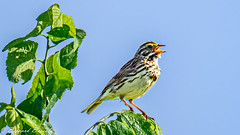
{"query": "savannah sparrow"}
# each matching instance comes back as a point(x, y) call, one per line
point(134, 79)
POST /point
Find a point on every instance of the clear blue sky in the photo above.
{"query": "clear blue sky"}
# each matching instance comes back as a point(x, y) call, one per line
point(198, 90)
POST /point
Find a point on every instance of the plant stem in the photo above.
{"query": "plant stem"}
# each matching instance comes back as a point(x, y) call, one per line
point(100, 121)
point(44, 35)
point(39, 60)
point(52, 46)
point(45, 58)
point(45, 67)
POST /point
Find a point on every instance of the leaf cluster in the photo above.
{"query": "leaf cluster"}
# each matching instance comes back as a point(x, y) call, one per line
point(127, 123)
point(52, 79)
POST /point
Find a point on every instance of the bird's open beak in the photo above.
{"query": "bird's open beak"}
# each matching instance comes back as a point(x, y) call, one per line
point(156, 50)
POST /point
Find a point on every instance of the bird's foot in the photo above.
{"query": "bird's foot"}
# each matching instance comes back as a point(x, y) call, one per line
point(131, 109)
point(147, 117)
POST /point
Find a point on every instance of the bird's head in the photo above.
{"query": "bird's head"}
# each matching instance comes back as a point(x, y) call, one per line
point(150, 50)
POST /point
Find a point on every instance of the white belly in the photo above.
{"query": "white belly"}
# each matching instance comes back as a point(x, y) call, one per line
point(136, 88)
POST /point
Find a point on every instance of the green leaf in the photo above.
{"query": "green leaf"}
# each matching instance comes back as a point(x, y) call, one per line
point(67, 30)
point(53, 99)
point(52, 85)
point(101, 130)
point(59, 34)
point(49, 64)
point(13, 100)
point(33, 122)
point(20, 61)
point(2, 122)
point(78, 38)
point(91, 133)
point(34, 104)
point(27, 130)
point(59, 79)
point(14, 121)
point(80, 33)
point(52, 16)
point(13, 43)
point(49, 128)
point(31, 131)
point(127, 122)
point(51, 103)
point(137, 122)
point(63, 25)
point(114, 127)
point(118, 128)
point(68, 54)
point(3, 106)
point(67, 20)
point(35, 32)
point(38, 79)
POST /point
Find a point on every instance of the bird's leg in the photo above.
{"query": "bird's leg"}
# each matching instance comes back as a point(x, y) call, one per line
point(143, 113)
point(127, 104)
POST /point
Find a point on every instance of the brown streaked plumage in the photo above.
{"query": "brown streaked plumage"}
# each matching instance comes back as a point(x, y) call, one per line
point(134, 79)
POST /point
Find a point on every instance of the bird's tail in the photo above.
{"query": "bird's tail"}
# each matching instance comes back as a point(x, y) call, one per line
point(92, 106)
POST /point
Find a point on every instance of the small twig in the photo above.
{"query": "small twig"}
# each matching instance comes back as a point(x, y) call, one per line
point(45, 58)
point(52, 46)
point(47, 102)
point(100, 121)
point(44, 35)
point(45, 67)
point(39, 60)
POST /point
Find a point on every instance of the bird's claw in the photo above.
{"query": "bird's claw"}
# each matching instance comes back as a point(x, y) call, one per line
point(151, 118)
point(147, 117)
point(132, 109)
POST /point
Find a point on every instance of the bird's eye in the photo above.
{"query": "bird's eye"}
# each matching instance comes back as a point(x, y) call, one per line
point(149, 46)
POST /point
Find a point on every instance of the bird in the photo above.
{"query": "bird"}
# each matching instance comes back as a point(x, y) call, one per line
point(134, 79)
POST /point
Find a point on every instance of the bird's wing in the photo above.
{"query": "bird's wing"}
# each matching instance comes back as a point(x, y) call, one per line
point(129, 67)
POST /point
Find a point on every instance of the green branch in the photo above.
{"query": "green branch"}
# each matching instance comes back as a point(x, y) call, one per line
point(45, 58)
point(39, 60)
point(45, 67)
point(100, 121)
